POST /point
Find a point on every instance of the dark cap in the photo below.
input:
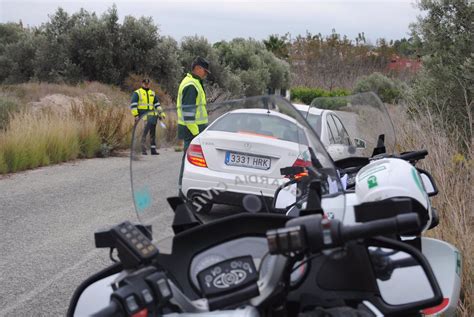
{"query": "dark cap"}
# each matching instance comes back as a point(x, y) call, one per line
point(201, 61)
point(146, 80)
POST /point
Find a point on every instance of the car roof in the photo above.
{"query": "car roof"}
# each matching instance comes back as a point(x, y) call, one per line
point(312, 110)
point(265, 111)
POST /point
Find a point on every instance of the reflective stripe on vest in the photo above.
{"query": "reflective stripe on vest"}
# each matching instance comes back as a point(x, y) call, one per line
point(185, 110)
point(145, 100)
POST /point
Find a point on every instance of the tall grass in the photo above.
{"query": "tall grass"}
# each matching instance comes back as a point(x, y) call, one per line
point(34, 139)
point(169, 136)
point(452, 169)
point(107, 126)
point(97, 123)
point(7, 106)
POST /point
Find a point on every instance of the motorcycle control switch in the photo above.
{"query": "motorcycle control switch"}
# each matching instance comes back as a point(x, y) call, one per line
point(286, 240)
point(134, 248)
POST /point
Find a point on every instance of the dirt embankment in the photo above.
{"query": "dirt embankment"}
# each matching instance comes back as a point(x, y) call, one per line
point(63, 103)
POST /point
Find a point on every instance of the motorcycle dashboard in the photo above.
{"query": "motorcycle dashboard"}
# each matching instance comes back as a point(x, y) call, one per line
point(201, 247)
point(255, 247)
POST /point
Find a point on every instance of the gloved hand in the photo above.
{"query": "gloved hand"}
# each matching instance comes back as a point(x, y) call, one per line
point(163, 115)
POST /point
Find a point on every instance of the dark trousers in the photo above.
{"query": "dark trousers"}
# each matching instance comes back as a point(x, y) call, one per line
point(185, 148)
point(150, 128)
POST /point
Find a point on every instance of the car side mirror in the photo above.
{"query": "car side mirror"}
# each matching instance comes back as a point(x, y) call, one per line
point(428, 182)
point(359, 143)
point(404, 277)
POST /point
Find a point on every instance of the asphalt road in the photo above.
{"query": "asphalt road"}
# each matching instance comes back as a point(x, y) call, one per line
point(48, 217)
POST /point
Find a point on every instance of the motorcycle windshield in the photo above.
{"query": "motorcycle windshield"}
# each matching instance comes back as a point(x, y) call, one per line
point(239, 153)
point(356, 125)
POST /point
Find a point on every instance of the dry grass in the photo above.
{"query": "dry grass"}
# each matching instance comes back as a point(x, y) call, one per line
point(58, 122)
point(171, 133)
point(33, 141)
point(95, 126)
point(112, 125)
point(452, 171)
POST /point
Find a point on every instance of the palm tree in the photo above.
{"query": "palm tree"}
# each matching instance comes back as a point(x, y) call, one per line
point(277, 45)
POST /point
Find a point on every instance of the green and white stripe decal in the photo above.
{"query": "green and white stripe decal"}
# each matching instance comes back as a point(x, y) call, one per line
point(458, 263)
point(417, 180)
point(371, 171)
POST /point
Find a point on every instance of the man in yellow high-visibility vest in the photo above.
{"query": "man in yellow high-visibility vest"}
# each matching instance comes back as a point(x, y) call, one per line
point(144, 102)
point(191, 105)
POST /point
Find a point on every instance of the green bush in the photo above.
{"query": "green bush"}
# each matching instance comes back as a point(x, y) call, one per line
point(388, 90)
point(446, 81)
point(332, 103)
point(245, 67)
point(307, 95)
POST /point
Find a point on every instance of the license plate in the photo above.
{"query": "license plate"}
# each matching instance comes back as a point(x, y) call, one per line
point(246, 160)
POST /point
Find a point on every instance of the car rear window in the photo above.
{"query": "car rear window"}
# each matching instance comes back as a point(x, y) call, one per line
point(314, 121)
point(260, 124)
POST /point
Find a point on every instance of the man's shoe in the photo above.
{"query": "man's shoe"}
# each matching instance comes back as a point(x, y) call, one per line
point(154, 152)
point(144, 152)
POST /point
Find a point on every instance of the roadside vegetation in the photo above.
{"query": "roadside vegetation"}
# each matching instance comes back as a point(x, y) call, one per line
point(451, 165)
point(56, 123)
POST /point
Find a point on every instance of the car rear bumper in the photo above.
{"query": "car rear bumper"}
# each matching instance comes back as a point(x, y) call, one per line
point(226, 198)
point(227, 188)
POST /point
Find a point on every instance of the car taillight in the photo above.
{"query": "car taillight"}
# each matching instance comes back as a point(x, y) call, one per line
point(302, 163)
point(436, 309)
point(196, 156)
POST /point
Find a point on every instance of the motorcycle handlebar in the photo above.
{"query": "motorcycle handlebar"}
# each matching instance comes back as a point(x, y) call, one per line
point(396, 225)
point(414, 155)
point(315, 234)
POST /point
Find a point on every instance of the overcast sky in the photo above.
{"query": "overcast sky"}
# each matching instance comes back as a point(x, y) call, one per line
point(226, 19)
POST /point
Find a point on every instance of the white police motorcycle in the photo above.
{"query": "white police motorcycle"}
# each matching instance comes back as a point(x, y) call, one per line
point(256, 264)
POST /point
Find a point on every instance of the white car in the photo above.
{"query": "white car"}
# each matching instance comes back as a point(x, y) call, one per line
point(332, 132)
point(242, 153)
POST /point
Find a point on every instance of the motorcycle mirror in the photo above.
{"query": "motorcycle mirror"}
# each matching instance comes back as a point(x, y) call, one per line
point(394, 268)
point(359, 143)
point(428, 182)
point(404, 277)
point(285, 196)
point(94, 293)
